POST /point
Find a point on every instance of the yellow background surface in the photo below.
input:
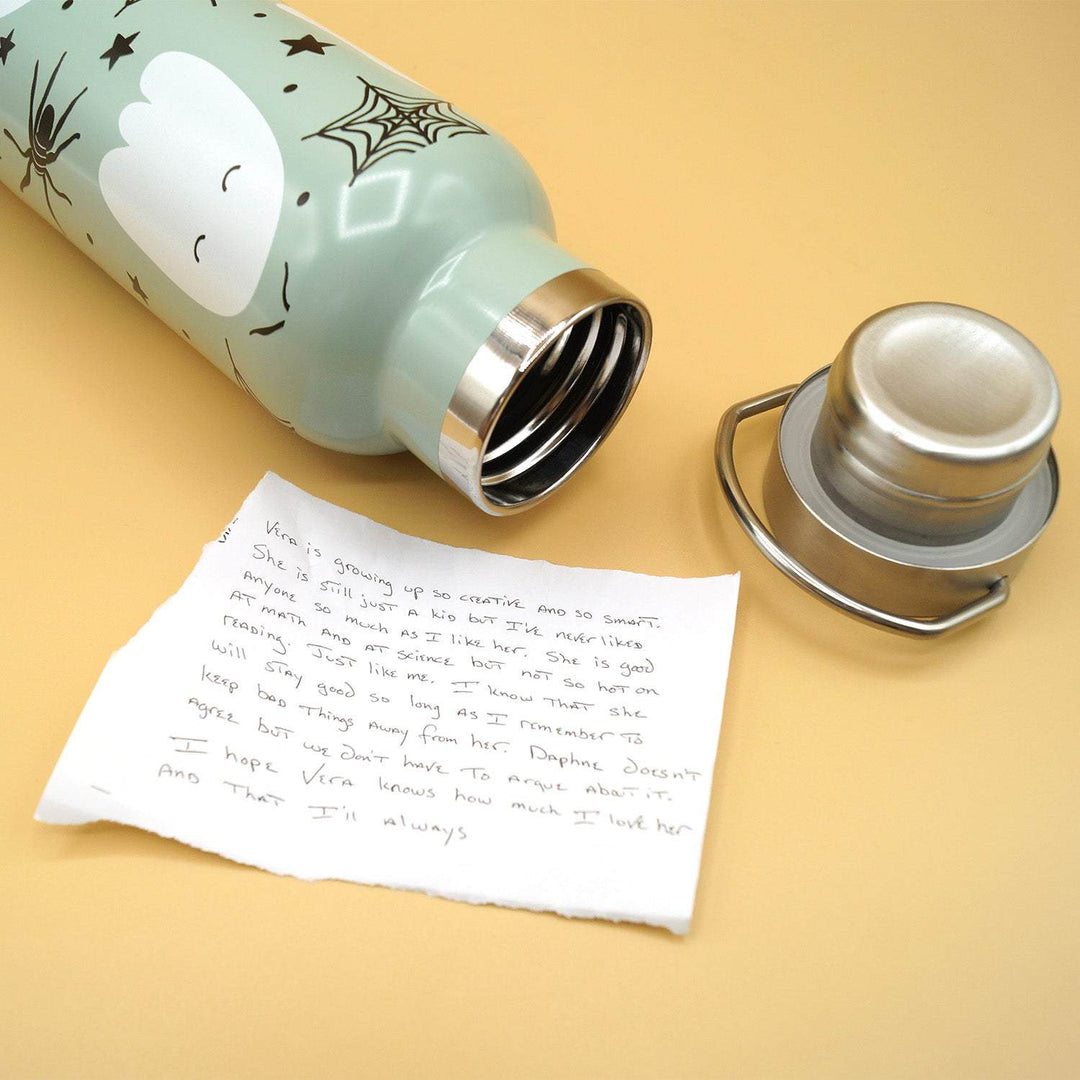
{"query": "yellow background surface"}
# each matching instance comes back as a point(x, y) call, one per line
point(890, 884)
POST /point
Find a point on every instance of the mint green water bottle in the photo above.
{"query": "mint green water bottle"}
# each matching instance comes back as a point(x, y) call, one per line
point(374, 266)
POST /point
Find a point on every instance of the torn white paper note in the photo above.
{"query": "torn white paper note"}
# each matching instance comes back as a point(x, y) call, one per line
point(328, 698)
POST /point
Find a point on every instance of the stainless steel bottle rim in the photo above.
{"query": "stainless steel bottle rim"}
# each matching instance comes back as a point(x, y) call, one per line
point(1020, 527)
point(544, 391)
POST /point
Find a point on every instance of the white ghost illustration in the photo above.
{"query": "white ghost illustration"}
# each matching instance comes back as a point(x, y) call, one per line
point(8, 6)
point(200, 182)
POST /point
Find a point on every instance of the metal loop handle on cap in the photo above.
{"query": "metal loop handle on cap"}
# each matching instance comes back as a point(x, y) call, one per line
point(770, 547)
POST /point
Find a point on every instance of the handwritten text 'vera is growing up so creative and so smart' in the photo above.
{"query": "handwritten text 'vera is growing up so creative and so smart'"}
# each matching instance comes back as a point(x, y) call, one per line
point(332, 691)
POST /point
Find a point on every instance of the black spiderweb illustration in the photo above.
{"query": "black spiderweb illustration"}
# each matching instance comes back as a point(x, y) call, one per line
point(43, 129)
point(386, 123)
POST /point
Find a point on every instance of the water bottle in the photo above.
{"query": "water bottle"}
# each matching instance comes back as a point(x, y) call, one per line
point(372, 264)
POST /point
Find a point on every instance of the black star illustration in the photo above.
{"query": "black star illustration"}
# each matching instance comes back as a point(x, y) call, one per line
point(306, 44)
point(6, 45)
point(127, 4)
point(138, 289)
point(121, 46)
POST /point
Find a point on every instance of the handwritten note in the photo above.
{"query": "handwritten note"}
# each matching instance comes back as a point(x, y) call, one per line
point(328, 698)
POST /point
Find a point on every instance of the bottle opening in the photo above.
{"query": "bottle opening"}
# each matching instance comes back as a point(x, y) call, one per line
point(544, 391)
point(567, 400)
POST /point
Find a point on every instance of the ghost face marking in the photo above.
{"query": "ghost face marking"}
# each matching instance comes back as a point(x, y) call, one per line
point(199, 184)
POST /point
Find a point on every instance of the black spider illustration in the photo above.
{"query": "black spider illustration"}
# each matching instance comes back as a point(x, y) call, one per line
point(43, 129)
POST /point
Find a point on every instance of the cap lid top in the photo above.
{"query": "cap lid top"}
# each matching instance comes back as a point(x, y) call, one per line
point(942, 401)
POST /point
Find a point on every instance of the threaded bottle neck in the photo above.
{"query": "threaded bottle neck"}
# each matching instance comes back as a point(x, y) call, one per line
point(543, 391)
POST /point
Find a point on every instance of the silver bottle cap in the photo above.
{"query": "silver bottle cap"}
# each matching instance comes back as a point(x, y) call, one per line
point(935, 416)
point(910, 479)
